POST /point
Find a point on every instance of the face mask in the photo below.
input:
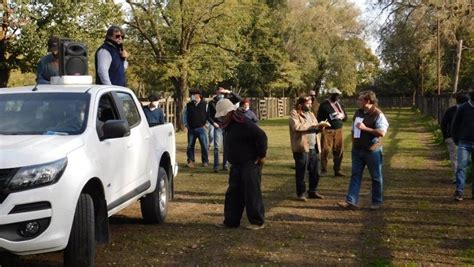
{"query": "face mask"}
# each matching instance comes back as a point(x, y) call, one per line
point(305, 109)
point(246, 108)
point(334, 98)
point(193, 98)
point(219, 97)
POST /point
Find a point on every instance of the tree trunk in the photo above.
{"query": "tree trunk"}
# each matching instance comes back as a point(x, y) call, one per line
point(181, 94)
point(458, 66)
point(4, 75)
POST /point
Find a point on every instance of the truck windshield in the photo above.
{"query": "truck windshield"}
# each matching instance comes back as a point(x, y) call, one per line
point(43, 113)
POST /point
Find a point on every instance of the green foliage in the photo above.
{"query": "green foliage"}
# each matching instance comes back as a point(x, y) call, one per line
point(409, 45)
point(30, 25)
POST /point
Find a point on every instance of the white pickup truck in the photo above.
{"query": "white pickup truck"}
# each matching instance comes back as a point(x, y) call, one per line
point(70, 157)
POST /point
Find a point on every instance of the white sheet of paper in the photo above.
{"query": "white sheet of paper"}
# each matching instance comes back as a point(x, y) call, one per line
point(357, 130)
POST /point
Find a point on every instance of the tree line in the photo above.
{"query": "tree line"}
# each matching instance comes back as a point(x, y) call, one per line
point(427, 47)
point(260, 48)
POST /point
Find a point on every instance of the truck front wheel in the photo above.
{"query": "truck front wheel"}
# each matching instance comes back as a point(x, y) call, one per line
point(154, 206)
point(80, 250)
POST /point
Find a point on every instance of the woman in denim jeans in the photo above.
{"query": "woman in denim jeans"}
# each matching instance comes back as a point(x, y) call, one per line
point(369, 125)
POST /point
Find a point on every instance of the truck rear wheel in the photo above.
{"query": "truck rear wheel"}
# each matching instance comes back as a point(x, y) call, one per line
point(80, 250)
point(154, 206)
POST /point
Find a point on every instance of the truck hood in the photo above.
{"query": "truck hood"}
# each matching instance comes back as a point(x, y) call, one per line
point(24, 150)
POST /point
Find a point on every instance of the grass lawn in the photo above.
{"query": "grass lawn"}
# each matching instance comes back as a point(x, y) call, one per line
point(419, 223)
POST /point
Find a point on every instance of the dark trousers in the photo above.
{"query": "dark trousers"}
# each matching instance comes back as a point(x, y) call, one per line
point(244, 192)
point(306, 161)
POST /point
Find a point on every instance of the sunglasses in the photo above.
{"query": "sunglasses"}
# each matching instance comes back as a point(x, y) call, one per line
point(118, 36)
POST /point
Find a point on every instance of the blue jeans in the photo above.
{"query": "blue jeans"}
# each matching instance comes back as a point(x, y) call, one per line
point(219, 145)
point(201, 134)
point(465, 150)
point(373, 160)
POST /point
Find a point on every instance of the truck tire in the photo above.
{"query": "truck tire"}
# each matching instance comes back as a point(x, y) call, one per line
point(154, 206)
point(80, 250)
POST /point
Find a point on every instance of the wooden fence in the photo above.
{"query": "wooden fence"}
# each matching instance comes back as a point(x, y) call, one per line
point(264, 108)
point(270, 107)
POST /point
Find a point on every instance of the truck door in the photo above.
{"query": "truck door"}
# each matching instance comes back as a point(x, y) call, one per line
point(110, 153)
point(139, 149)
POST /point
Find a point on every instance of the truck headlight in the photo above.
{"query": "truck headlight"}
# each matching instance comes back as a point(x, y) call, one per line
point(37, 175)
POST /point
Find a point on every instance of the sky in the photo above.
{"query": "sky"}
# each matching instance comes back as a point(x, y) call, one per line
point(373, 18)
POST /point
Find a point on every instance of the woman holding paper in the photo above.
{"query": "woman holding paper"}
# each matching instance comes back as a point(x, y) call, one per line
point(368, 128)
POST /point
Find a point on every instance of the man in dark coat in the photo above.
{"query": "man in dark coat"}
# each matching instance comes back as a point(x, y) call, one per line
point(246, 148)
point(446, 130)
point(332, 137)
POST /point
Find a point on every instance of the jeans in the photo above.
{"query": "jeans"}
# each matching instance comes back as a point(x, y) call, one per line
point(452, 154)
point(244, 193)
point(373, 160)
point(193, 134)
point(219, 144)
point(306, 161)
point(210, 134)
point(465, 150)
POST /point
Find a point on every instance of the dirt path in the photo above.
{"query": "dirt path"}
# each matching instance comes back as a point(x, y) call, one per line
point(419, 222)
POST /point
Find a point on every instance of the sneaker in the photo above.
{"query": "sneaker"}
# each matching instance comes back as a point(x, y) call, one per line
point(225, 168)
point(216, 170)
point(190, 165)
point(315, 195)
point(222, 225)
point(339, 174)
point(255, 227)
point(301, 198)
point(347, 206)
point(375, 206)
point(457, 196)
point(205, 164)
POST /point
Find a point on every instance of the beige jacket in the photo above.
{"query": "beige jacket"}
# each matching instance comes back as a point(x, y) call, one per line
point(299, 127)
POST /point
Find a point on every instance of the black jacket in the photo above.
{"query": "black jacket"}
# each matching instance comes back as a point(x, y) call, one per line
point(447, 121)
point(244, 142)
point(211, 107)
point(462, 128)
point(325, 109)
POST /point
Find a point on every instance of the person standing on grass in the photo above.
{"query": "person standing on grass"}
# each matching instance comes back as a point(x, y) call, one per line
point(245, 147)
point(446, 122)
point(332, 137)
point(306, 145)
point(369, 125)
point(194, 118)
point(153, 113)
point(245, 108)
point(462, 132)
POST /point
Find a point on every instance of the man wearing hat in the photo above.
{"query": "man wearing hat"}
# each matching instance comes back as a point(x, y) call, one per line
point(194, 118)
point(332, 139)
point(48, 66)
point(153, 113)
point(245, 147)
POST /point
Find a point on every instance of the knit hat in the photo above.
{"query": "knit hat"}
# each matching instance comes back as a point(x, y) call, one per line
point(223, 107)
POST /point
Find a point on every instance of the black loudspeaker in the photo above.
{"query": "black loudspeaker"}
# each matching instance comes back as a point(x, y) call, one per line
point(72, 58)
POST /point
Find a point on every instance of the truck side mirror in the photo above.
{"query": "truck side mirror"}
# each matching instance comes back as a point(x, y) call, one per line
point(115, 129)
